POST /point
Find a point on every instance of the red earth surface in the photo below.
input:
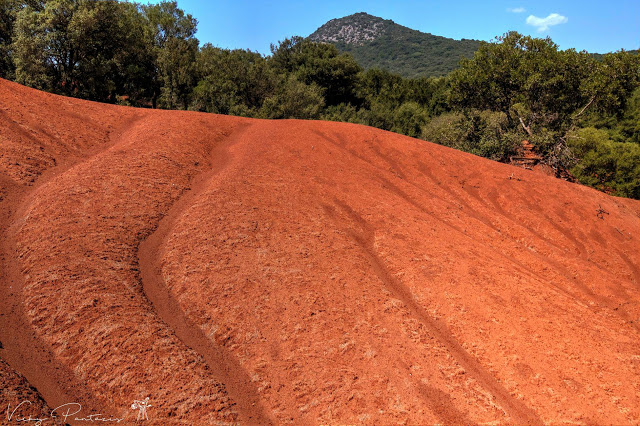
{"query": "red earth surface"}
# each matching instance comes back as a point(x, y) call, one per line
point(254, 271)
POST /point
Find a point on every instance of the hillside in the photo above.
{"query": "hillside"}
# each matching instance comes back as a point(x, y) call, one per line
point(381, 43)
point(233, 269)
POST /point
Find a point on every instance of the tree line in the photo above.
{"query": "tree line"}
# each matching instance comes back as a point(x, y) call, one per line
point(580, 112)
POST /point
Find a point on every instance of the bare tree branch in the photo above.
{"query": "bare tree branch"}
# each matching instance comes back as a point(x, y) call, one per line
point(525, 127)
point(593, 98)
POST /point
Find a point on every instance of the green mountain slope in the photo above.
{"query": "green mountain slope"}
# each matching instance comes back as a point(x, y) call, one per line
point(381, 43)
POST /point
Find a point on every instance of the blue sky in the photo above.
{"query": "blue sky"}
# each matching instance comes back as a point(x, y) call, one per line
point(595, 26)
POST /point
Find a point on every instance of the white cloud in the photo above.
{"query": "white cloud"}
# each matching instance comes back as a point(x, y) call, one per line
point(516, 9)
point(543, 24)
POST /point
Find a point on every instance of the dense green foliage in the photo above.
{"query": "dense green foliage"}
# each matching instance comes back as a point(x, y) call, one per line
point(232, 82)
point(548, 94)
point(609, 166)
point(321, 64)
point(481, 132)
point(396, 48)
point(104, 50)
point(580, 112)
point(8, 12)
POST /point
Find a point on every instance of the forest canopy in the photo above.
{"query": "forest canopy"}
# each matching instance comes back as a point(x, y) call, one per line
point(581, 112)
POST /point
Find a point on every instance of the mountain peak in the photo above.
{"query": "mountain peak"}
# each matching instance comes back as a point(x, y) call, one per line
point(354, 29)
point(381, 43)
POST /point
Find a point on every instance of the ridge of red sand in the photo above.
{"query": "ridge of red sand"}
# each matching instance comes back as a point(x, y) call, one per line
point(309, 272)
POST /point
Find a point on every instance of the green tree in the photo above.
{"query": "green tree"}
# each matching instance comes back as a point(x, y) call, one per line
point(345, 113)
point(175, 51)
point(30, 43)
point(90, 49)
point(382, 92)
point(294, 99)
point(612, 167)
point(8, 11)
point(408, 119)
point(321, 64)
point(393, 103)
point(135, 58)
point(628, 127)
point(481, 132)
point(112, 50)
point(621, 120)
point(541, 89)
point(376, 85)
point(232, 81)
point(526, 78)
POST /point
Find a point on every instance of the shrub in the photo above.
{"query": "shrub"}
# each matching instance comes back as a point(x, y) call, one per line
point(482, 133)
point(294, 99)
point(409, 119)
point(612, 167)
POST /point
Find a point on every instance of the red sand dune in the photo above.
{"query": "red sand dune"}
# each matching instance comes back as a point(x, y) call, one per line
point(308, 272)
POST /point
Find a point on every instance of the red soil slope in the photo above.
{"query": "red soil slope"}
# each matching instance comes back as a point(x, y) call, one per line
point(307, 272)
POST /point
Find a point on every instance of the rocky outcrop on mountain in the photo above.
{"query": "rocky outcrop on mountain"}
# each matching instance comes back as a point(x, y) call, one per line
point(356, 29)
